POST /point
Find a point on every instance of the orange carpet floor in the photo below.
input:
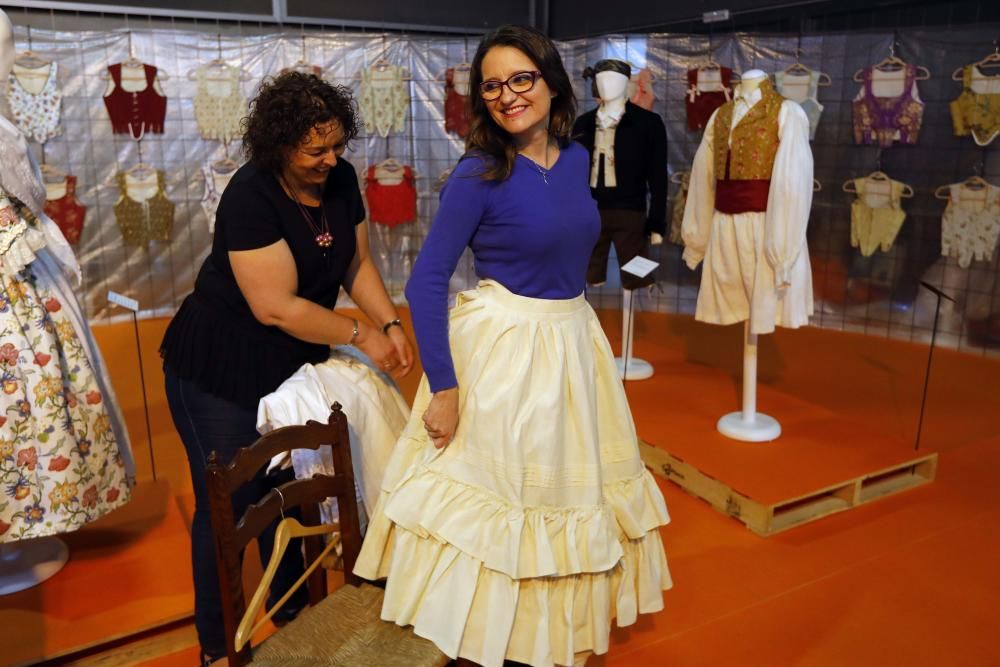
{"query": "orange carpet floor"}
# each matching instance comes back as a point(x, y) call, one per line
point(911, 579)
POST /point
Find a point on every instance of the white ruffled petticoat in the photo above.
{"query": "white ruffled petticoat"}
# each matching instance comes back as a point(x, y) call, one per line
point(538, 524)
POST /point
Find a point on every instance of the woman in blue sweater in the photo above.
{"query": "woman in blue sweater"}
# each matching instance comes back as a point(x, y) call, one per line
point(516, 518)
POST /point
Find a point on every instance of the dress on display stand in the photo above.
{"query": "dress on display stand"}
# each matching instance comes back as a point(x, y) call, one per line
point(65, 458)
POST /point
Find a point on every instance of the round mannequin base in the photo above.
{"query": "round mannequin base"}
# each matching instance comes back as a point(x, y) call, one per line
point(637, 369)
point(761, 429)
point(29, 563)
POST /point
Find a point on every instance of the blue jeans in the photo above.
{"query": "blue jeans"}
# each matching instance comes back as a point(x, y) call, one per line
point(208, 423)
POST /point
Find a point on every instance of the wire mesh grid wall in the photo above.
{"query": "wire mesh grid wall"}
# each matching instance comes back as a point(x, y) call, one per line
point(877, 295)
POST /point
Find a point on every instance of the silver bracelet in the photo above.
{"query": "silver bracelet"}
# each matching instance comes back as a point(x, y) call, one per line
point(354, 333)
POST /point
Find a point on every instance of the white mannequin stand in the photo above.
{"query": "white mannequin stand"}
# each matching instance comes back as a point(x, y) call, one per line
point(29, 562)
point(749, 425)
point(630, 368)
point(612, 87)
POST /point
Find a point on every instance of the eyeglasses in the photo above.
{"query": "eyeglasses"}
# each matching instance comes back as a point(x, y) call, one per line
point(521, 82)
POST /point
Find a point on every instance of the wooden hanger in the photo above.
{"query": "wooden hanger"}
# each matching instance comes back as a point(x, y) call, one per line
point(134, 63)
point(288, 529)
point(225, 166)
point(382, 65)
point(219, 65)
point(392, 164)
point(52, 174)
point(680, 177)
point(992, 60)
point(973, 183)
point(798, 68)
point(460, 67)
point(878, 177)
point(817, 186)
point(893, 64)
point(30, 60)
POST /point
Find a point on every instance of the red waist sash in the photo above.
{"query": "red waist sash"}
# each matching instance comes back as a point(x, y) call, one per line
point(739, 196)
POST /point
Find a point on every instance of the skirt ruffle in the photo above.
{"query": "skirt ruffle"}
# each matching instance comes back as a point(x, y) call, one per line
point(538, 524)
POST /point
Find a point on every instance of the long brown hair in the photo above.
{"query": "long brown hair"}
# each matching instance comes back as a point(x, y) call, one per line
point(485, 136)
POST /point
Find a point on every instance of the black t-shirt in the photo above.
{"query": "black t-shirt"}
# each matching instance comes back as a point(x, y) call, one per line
point(214, 339)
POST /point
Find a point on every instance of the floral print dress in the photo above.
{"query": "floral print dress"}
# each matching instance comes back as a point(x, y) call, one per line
point(61, 463)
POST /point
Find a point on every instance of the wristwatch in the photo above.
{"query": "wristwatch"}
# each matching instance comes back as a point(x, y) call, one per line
point(391, 323)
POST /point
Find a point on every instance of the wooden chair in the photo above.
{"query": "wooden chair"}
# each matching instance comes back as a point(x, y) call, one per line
point(342, 628)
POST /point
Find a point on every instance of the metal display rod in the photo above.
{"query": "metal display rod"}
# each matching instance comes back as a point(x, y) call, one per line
point(278, 16)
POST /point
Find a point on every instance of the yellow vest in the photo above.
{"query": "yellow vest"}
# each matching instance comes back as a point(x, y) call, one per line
point(755, 138)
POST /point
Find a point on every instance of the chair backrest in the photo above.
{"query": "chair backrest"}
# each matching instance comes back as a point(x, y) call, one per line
point(232, 536)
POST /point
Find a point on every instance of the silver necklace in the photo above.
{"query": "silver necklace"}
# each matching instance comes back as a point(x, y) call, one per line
point(542, 170)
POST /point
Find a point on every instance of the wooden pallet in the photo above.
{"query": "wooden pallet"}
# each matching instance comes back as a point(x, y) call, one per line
point(769, 518)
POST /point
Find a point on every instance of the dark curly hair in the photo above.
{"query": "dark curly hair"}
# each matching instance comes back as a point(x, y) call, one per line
point(485, 135)
point(286, 108)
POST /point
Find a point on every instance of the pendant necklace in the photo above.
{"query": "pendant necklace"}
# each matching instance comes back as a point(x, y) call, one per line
point(541, 170)
point(323, 237)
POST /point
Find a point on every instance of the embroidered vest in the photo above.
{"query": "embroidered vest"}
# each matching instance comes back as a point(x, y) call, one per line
point(749, 154)
point(138, 111)
point(67, 212)
point(143, 221)
point(880, 120)
point(975, 113)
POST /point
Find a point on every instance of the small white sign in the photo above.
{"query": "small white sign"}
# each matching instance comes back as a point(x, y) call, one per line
point(715, 16)
point(640, 266)
point(123, 301)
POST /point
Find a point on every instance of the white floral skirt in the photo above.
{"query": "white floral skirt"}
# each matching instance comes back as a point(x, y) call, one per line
point(538, 524)
point(62, 455)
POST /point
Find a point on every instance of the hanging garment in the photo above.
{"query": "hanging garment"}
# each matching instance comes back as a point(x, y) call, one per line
point(677, 213)
point(215, 184)
point(143, 211)
point(803, 89)
point(881, 115)
point(970, 225)
point(376, 415)
point(747, 209)
point(391, 194)
point(456, 96)
point(134, 100)
point(65, 210)
point(977, 109)
point(303, 68)
point(876, 214)
point(641, 89)
point(384, 99)
point(64, 454)
point(219, 106)
point(708, 89)
point(35, 100)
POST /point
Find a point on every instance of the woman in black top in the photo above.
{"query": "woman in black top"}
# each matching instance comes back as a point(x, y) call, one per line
point(287, 237)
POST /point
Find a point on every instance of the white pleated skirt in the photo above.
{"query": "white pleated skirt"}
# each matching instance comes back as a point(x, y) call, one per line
point(538, 524)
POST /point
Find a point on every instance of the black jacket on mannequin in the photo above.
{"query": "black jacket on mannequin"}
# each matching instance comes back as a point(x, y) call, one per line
point(640, 164)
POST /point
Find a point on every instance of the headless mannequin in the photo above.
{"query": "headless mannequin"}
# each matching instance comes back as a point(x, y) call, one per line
point(612, 88)
point(751, 80)
point(748, 424)
point(25, 563)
